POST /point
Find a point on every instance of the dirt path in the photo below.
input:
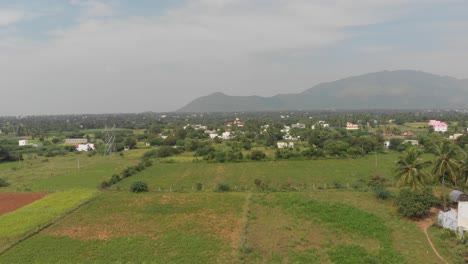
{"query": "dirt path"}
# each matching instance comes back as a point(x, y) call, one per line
point(12, 201)
point(424, 224)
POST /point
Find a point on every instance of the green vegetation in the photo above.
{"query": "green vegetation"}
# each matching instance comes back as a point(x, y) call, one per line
point(38, 214)
point(138, 187)
point(415, 203)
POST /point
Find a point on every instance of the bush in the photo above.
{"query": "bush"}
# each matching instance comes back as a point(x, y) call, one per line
point(199, 186)
point(257, 155)
point(415, 203)
point(138, 187)
point(4, 183)
point(223, 187)
point(382, 193)
point(377, 181)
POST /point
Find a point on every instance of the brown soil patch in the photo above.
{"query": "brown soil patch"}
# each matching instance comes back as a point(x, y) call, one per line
point(12, 201)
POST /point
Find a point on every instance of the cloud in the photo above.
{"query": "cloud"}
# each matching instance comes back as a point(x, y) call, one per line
point(93, 9)
point(9, 16)
point(159, 63)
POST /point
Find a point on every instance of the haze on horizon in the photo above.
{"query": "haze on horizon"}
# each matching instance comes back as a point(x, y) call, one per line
point(109, 56)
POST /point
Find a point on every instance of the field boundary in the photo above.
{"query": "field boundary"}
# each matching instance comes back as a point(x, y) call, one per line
point(243, 247)
point(51, 222)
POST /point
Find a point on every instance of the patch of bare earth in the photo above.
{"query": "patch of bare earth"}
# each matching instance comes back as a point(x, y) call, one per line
point(12, 201)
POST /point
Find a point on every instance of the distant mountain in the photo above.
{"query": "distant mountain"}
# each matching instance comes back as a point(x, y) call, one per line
point(403, 89)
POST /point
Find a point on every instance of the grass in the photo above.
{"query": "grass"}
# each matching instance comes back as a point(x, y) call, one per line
point(153, 228)
point(332, 226)
point(62, 173)
point(305, 173)
point(37, 214)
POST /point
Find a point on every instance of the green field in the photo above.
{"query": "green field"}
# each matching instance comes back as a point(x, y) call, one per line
point(74, 171)
point(32, 217)
point(302, 174)
point(326, 226)
point(301, 218)
point(152, 228)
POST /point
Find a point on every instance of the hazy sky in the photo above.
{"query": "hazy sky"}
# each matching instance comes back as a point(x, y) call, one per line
point(105, 56)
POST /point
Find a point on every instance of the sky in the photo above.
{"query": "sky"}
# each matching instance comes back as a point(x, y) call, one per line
point(125, 56)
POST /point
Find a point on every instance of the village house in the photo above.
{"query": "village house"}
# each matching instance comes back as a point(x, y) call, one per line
point(455, 136)
point(413, 142)
point(236, 122)
point(351, 126)
point(282, 145)
point(456, 219)
point(298, 125)
point(85, 147)
point(438, 125)
point(23, 142)
point(320, 124)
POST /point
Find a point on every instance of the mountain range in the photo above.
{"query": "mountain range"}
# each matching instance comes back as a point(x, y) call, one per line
point(402, 89)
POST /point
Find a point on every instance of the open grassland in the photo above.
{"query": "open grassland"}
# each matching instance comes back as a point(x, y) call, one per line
point(73, 171)
point(325, 226)
point(136, 228)
point(16, 224)
point(277, 174)
point(332, 226)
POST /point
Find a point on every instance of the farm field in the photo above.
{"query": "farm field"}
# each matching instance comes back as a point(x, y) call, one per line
point(27, 219)
point(152, 228)
point(304, 174)
point(41, 174)
point(325, 226)
point(12, 201)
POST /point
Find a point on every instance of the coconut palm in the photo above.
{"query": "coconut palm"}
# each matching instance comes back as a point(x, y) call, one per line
point(446, 164)
point(410, 170)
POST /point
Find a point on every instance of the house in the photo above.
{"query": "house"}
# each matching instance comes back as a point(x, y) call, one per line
point(438, 125)
point(351, 126)
point(196, 127)
point(289, 137)
point(456, 220)
point(227, 135)
point(386, 144)
point(298, 125)
point(320, 124)
point(285, 145)
point(85, 147)
point(76, 140)
point(236, 122)
point(23, 142)
point(286, 129)
point(213, 135)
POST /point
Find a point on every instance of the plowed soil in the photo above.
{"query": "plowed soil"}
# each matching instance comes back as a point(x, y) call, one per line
point(12, 201)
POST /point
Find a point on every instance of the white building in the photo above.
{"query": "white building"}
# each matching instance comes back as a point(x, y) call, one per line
point(85, 147)
point(23, 142)
point(227, 135)
point(298, 125)
point(285, 145)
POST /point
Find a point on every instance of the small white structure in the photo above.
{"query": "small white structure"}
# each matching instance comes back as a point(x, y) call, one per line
point(455, 136)
point(448, 219)
point(227, 135)
point(386, 144)
point(85, 147)
point(126, 148)
point(286, 129)
point(23, 142)
point(213, 135)
point(298, 125)
point(462, 217)
point(285, 145)
point(351, 126)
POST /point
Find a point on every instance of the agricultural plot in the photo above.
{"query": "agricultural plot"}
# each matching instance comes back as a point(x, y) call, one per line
point(332, 226)
point(19, 223)
point(74, 171)
point(12, 201)
point(305, 174)
point(153, 228)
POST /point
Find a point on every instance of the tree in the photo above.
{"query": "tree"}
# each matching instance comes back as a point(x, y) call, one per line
point(257, 155)
point(138, 187)
point(446, 164)
point(415, 203)
point(410, 170)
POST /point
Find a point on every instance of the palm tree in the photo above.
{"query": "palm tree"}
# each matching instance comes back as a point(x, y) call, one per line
point(410, 170)
point(446, 164)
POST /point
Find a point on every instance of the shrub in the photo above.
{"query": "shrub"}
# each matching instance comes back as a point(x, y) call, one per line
point(138, 187)
point(257, 155)
point(199, 186)
point(4, 183)
point(104, 185)
point(382, 193)
point(377, 181)
point(415, 203)
point(223, 187)
point(260, 185)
